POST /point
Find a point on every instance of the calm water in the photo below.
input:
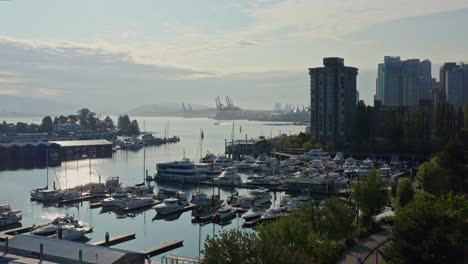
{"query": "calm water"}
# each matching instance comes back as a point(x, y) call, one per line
point(15, 185)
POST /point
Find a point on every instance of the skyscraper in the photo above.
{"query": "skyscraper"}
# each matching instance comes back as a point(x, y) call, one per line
point(403, 83)
point(454, 83)
point(332, 100)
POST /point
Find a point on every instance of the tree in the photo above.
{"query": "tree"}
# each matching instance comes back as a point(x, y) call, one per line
point(108, 123)
point(371, 196)
point(308, 145)
point(231, 247)
point(405, 192)
point(134, 129)
point(123, 124)
point(465, 116)
point(336, 220)
point(430, 230)
point(434, 177)
point(47, 124)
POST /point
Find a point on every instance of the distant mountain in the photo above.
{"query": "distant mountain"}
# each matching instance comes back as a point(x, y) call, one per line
point(172, 109)
point(17, 106)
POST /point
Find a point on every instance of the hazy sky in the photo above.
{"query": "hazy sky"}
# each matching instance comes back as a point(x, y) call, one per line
point(112, 54)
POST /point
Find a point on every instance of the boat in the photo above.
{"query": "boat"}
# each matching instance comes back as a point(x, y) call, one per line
point(385, 171)
point(293, 204)
point(285, 200)
point(8, 218)
point(255, 197)
point(339, 157)
point(71, 195)
point(170, 205)
point(5, 207)
point(253, 213)
point(229, 177)
point(136, 203)
point(58, 223)
point(272, 214)
point(204, 200)
point(113, 202)
point(225, 213)
point(179, 171)
point(365, 166)
point(349, 162)
point(222, 162)
point(262, 181)
point(314, 154)
point(141, 190)
point(209, 158)
point(46, 195)
point(72, 232)
point(137, 145)
point(165, 194)
point(246, 164)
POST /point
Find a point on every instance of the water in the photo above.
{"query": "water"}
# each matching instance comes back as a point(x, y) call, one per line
point(15, 185)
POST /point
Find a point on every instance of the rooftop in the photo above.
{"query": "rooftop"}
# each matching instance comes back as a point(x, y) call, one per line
point(79, 143)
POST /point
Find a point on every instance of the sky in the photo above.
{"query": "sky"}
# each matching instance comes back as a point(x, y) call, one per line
point(113, 55)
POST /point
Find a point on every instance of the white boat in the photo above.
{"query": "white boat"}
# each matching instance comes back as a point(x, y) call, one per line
point(349, 162)
point(246, 164)
point(293, 204)
point(272, 213)
point(5, 207)
point(58, 223)
point(285, 200)
point(71, 194)
point(385, 171)
point(229, 177)
point(136, 203)
point(255, 197)
point(263, 181)
point(365, 166)
point(179, 171)
point(225, 212)
point(170, 205)
point(10, 218)
point(254, 212)
point(113, 202)
point(339, 157)
point(71, 232)
point(314, 154)
point(209, 158)
point(141, 189)
point(222, 162)
point(204, 200)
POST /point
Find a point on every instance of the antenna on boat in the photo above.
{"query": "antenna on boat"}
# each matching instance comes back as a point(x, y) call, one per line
point(47, 167)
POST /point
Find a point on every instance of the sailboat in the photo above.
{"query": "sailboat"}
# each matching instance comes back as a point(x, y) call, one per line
point(142, 188)
point(44, 194)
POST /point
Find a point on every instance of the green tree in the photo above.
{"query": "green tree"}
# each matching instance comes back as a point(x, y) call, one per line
point(430, 230)
point(371, 195)
point(108, 123)
point(434, 177)
point(405, 192)
point(308, 145)
point(465, 116)
point(123, 124)
point(47, 124)
point(134, 129)
point(335, 220)
point(231, 247)
point(22, 127)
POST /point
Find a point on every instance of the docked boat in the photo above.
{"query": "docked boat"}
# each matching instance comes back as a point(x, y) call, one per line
point(136, 203)
point(293, 204)
point(141, 189)
point(272, 214)
point(113, 202)
point(135, 146)
point(349, 162)
point(204, 200)
point(58, 223)
point(253, 213)
point(365, 166)
point(209, 158)
point(71, 195)
point(255, 197)
point(263, 181)
point(179, 171)
point(246, 164)
point(46, 195)
point(165, 194)
point(225, 213)
point(10, 217)
point(71, 232)
point(170, 205)
point(385, 171)
point(229, 177)
point(314, 154)
point(222, 162)
point(339, 157)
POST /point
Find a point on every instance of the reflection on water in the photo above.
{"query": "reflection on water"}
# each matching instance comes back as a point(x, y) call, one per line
point(150, 231)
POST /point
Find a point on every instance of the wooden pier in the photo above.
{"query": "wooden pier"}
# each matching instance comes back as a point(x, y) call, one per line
point(115, 240)
point(163, 248)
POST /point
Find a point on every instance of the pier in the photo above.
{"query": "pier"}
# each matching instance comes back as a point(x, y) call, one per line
point(245, 186)
point(107, 242)
point(82, 199)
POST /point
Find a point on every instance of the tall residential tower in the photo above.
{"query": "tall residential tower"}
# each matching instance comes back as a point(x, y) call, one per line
point(454, 83)
point(332, 100)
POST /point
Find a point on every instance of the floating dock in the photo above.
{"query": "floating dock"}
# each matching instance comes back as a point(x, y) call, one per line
point(163, 248)
point(115, 240)
point(81, 199)
point(245, 186)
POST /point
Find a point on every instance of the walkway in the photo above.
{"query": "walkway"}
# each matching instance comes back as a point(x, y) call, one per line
point(365, 246)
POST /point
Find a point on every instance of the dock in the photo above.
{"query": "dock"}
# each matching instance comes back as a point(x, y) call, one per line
point(245, 186)
point(188, 207)
point(10, 233)
point(115, 240)
point(163, 248)
point(80, 199)
point(130, 209)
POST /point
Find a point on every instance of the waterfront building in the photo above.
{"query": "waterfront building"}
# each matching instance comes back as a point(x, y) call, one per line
point(332, 100)
point(454, 83)
point(403, 83)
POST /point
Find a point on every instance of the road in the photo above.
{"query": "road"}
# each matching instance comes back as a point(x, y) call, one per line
point(364, 247)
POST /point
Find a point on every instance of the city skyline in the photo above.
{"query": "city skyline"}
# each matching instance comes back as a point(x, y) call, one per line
point(247, 49)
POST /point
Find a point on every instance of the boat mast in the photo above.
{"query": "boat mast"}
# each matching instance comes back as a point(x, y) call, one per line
point(89, 157)
point(144, 163)
point(47, 167)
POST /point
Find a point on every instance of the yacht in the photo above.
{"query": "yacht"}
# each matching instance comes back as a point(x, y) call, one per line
point(179, 171)
point(170, 205)
point(262, 181)
point(272, 214)
point(10, 218)
point(71, 195)
point(314, 154)
point(285, 200)
point(209, 158)
point(46, 195)
point(225, 212)
point(246, 164)
point(293, 204)
point(385, 171)
point(5, 207)
point(204, 200)
point(229, 177)
point(260, 163)
point(71, 232)
point(165, 194)
point(136, 203)
point(113, 202)
point(222, 162)
point(254, 212)
point(58, 223)
point(365, 166)
point(339, 157)
point(141, 189)
point(256, 197)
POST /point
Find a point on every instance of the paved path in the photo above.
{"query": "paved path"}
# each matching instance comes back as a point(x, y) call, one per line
point(365, 246)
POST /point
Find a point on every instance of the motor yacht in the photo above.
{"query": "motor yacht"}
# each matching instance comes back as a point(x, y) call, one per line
point(253, 213)
point(225, 213)
point(246, 164)
point(222, 162)
point(385, 171)
point(209, 158)
point(179, 171)
point(136, 203)
point(365, 166)
point(204, 200)
point(10, 218)
point(272, 214)
point(71, 232)
point(170, 205)
point(263, 181)
point(58, 223)
point(46, 195)
point(229, 177)
point(255, 197)
point(339, 157)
